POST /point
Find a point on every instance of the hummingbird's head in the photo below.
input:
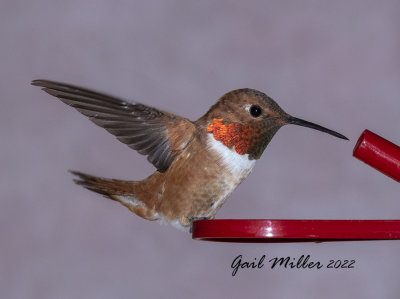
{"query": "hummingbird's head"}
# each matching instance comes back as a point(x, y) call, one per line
point(247, 119)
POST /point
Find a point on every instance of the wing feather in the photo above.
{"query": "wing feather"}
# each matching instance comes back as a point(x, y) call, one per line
point(141, 127)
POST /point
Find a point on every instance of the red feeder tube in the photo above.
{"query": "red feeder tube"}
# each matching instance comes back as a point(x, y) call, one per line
point(379, 153)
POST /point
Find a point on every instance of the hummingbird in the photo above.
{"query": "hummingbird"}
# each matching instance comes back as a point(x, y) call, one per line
point(199, 163)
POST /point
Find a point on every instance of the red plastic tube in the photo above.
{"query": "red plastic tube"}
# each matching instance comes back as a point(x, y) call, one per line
point(379, 153)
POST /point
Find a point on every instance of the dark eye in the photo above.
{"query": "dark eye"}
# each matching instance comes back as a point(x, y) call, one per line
point(255, 110)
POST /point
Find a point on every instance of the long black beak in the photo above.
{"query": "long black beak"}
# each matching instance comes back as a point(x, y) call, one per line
point(300, 122)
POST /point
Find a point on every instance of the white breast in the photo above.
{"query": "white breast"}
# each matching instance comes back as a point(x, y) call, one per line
point(239, 165)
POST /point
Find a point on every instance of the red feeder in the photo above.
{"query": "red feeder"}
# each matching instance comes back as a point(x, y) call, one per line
point(379, 153)
point(290, 230)
point(370, 148)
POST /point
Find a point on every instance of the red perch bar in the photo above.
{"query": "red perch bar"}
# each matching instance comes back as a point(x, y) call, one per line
point(379, 153)
point(291, 230)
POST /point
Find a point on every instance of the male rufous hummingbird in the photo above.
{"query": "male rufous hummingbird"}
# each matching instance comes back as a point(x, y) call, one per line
point(199, 163)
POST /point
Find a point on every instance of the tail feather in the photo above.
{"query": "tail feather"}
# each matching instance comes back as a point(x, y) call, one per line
point(106, 187)
point(90, 182)
point(124, 192)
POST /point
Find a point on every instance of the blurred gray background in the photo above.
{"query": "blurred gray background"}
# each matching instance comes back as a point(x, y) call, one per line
point(336, 63)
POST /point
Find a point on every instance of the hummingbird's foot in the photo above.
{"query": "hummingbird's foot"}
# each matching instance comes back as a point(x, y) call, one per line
point(195, 219)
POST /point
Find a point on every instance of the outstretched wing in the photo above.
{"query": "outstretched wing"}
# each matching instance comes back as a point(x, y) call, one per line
point(159, 135)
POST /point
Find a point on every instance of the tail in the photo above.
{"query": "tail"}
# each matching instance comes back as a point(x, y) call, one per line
point(106, 187)
point(125, 192)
